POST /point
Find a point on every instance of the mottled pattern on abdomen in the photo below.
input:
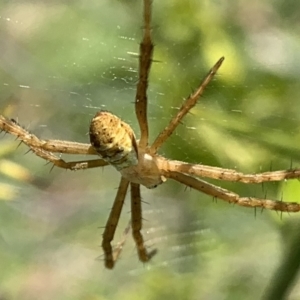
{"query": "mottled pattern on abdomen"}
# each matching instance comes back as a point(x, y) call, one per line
point(114, 140)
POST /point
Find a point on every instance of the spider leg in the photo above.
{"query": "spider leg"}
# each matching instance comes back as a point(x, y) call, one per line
point(187, 105)
point(232, 197)
point(228, 174)
point(145, 60)
point(119, 247)
point(43, 148)
point(136, 221)
point(72, 165)
point(32, 141)
point(112, 223)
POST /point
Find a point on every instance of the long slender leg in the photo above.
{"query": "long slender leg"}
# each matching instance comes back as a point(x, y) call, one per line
point(232, 197)
point(72, 165)
point(227, 174)
point(119, 247)
point(42, 148)
point(32, 141)
point(112, 223)
point(145, 60)
point(136, 221)
point(185, 107)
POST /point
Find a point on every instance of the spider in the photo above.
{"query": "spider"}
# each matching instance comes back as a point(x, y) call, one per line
point(139, 163)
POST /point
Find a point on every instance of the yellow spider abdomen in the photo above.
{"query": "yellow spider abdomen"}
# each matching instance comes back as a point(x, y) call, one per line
point(114, 140)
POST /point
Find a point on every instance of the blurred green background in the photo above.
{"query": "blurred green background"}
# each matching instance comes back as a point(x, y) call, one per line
point(61, 61)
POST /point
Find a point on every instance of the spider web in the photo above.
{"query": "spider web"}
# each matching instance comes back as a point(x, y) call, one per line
point(60, 63)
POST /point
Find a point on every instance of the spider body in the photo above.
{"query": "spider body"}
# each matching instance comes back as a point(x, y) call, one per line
point(138, 162)
point(146, 172)
point(115, 142)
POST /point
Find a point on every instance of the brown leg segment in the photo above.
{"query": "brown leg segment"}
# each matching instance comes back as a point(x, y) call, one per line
point(145, 60)
point(189, 103)
point(112, 222)
point(231, 197)
point(136, 223)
